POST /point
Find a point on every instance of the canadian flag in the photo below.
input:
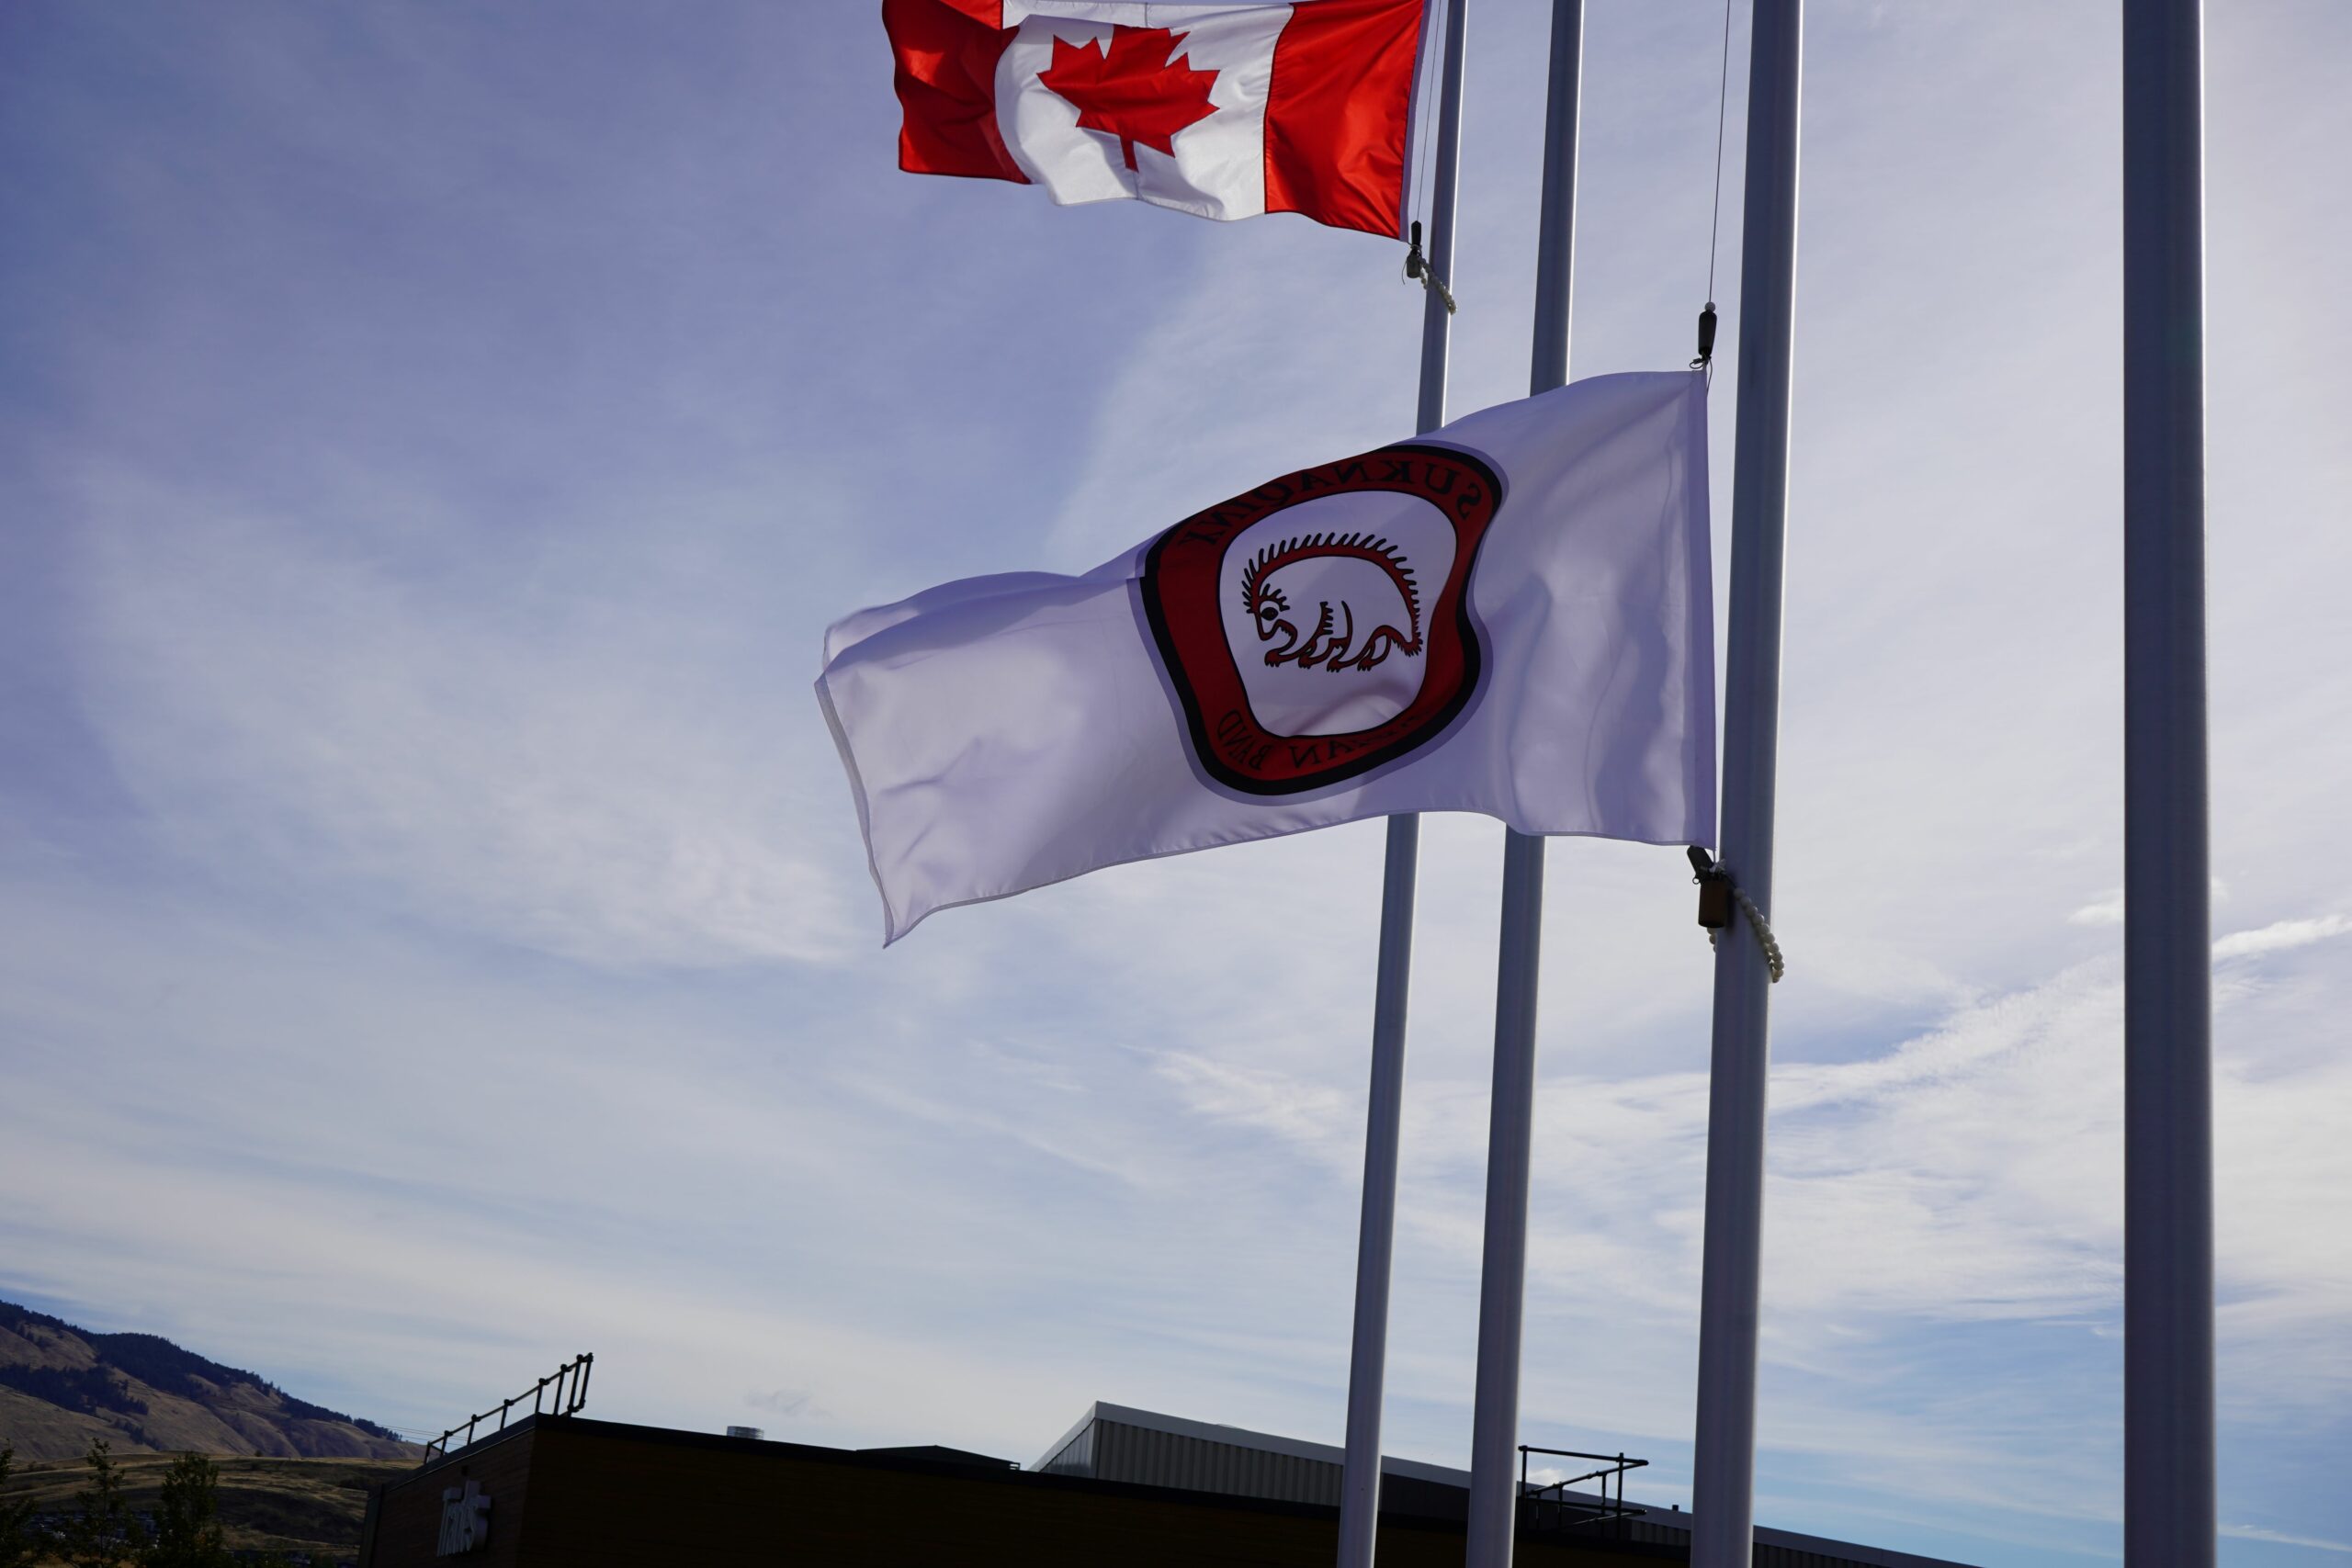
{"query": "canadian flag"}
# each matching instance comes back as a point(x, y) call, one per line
point(1227, 108)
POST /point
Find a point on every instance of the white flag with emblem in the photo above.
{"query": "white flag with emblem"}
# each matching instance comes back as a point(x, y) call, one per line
point(1509, 615)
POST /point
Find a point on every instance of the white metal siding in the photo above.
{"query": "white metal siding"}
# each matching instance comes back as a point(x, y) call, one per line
point(1077, 1456)
point(1166, 1458)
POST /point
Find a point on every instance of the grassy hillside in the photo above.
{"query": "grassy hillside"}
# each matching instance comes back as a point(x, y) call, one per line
point(311, 1505)
point(60, 1387)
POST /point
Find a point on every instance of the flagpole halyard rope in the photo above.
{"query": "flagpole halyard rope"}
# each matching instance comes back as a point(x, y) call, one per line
point(1425, 134)
point(1722, 105)
point(1717, 887)
point(1763, 930)
point(1417, 270)
point(1416, 267)
point(1706, 359)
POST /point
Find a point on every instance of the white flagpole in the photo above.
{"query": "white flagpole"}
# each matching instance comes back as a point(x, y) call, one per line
point(1376, 1233)
point(1724, 1458)
point(2168, 1482)
point(1502, 1288)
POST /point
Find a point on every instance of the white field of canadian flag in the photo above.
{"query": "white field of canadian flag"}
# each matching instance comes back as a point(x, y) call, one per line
point(1509, 616)
point(1226, 109)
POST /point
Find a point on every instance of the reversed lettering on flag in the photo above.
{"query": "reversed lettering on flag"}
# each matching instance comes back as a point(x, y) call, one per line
point(1509, 616)
point(1225, 109)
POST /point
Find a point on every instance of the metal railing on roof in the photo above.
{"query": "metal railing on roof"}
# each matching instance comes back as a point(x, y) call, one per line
point(560, 1392)
point(1550, 1507)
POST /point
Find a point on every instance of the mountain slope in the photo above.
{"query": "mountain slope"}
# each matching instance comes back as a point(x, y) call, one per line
point(60, 1387)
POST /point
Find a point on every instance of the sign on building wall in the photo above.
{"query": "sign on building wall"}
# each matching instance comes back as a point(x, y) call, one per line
point(465, 1520)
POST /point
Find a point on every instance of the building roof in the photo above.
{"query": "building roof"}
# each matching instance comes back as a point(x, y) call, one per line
point(938, 1454)
point(1443, 1475)
point(1266, 1442)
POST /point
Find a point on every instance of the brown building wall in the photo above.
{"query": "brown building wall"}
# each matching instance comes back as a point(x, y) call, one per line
point(604, 1495)
point(404, 1523)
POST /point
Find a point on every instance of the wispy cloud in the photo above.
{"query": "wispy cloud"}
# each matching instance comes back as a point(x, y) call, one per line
point(778, 1400)
point(571, 764)
point(2105, 910)
point(2281, 936)
point(2256, 1532)
point(435, 940)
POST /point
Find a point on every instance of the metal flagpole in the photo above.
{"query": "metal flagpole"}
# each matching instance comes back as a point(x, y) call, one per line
point(1502, 1290)
point(1724, 1458)
point(2168, 1490)
point(1377, 1234)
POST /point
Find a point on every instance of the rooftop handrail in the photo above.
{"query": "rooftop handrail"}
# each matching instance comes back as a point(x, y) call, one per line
point(1609, 1508)
point(569, 1383)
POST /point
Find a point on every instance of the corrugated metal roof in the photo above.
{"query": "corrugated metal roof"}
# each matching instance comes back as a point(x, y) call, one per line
point(1241, 1436)
point(1122, 1442)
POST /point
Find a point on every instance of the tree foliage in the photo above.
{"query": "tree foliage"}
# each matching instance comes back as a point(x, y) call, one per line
point(17, 1547)
point(103, 1534)
point(187, 1522)
point(85, 1390)
point(185, 1531)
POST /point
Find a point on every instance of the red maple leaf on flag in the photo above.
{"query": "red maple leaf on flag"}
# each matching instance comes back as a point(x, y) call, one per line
point(1135, 87)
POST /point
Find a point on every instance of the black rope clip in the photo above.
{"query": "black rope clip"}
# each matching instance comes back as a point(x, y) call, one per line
point(1715, 889)
point(1706, 337)
point(1717, 893)
point(1417, 269)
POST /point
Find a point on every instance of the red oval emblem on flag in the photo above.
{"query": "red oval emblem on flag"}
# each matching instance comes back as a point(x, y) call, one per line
point(1318, 627)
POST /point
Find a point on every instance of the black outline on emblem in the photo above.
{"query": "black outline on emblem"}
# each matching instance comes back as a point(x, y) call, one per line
point(1473, 649)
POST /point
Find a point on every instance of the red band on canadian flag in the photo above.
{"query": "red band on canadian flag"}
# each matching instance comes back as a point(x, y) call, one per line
point(947, 52)
point(1337, 119)
point(1224, 109)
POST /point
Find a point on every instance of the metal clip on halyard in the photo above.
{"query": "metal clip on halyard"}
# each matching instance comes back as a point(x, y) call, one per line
point(1706, 339)
point(1417, 270)
point(1718, 891)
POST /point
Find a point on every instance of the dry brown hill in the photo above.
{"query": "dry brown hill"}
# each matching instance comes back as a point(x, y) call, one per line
point(60, 1387)
point(310, 1506)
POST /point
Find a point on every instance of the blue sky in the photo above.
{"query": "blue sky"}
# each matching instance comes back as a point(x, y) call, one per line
point(433, 934)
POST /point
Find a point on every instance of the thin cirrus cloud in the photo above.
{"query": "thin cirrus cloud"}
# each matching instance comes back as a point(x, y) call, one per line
point(425, 832)
point(2281, 936)
point(580, 768)
point(2256, 1532)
